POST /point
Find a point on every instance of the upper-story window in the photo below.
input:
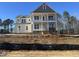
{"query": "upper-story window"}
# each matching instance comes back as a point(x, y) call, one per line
point(50, 17)
point(44, 18)
point(23, 21)
point(44, 7)
point(36, 17)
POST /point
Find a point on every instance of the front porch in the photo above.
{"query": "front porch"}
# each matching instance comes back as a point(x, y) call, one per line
point(40, 27)
point(45, 27)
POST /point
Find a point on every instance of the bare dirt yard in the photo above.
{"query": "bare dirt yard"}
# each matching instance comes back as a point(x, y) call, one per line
point(46, 39)
point(40, 39)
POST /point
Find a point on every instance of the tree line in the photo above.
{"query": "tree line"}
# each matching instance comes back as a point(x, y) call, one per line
point(6, 26)
point(71, 21)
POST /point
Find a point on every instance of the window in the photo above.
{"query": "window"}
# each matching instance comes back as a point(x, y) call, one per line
point(29, 19)
point(36, 26)
point(26, 27)
point(43, 18)
point(52, 24)
point(44, 7)
point(18, 20)
point(36, 17)
point(23, 21)
point(19, 27)
point(50, 17)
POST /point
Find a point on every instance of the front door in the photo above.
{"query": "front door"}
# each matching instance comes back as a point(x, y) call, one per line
point(52, 27)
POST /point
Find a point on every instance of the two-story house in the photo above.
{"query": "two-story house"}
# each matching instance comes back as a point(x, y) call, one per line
point(23, 24)
point(43, 19)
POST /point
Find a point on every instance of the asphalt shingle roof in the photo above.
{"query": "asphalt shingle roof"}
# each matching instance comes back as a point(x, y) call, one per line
point(44, 8)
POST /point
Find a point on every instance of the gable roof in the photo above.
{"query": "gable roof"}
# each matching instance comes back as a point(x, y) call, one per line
point(44, 8)
point(20, 16)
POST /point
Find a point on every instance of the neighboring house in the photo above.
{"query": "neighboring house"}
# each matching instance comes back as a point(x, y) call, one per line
point(23, 24)
point(43, 19)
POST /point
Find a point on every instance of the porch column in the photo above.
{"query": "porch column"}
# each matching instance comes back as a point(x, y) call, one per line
point(56, 24)
point(47, 23)
point(42, 28)
point(41, 17)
